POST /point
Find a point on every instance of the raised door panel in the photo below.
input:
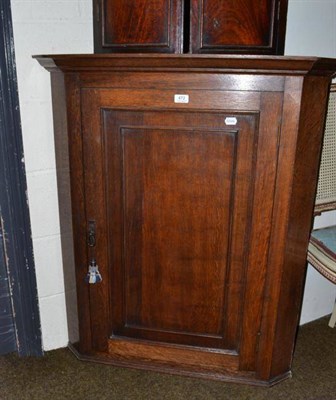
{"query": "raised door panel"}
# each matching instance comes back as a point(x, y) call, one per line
point(176, 226)
point(243, 26)
point(138, 26)
point(175, 191)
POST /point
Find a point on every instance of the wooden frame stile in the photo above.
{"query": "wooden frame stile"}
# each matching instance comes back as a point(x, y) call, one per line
point(73, 101)
point(95, 184)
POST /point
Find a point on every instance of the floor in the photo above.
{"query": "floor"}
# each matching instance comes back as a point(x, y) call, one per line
point(59, 375)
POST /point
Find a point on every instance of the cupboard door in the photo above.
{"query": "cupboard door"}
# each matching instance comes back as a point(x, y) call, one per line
point(138, 26)
point(238, 26)
point(171, 193)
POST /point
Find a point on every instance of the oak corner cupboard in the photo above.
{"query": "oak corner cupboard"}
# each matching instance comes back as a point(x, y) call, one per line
point(192, 186)
point(190, 26)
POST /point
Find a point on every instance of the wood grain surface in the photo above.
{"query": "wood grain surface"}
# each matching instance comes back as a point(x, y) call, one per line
point(203, 209)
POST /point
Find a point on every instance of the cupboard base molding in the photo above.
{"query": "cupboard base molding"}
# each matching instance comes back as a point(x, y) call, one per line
point(152, 365)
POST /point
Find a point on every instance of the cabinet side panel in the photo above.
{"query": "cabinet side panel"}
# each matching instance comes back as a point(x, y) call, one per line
point(64, 200)
point(287, 148)
point(300, 219)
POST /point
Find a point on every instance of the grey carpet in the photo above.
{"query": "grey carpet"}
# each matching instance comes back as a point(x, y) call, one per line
point(59, 375)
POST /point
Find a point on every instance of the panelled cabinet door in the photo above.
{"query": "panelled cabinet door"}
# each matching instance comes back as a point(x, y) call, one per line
point(238, 26)
point(171, 193)
point(192, 191)
point(138, 26)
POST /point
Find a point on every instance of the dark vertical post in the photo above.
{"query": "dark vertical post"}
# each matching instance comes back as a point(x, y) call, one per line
point(13, 199)
point(186, 27)
point(7, 327)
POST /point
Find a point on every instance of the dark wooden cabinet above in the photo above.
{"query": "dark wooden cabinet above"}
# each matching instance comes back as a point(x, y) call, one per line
point(190, 26)
point(238, 26)
point(138, 26)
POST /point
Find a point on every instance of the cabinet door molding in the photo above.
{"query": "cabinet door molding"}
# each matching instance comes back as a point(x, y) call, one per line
point(190, 26)
point(138, 26)
point(238, 26)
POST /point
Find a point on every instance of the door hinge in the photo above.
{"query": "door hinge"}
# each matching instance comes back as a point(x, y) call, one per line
point(93, 275)
point(91, 235)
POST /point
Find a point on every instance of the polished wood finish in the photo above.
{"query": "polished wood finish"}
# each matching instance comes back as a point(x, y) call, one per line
point(138, 26)
point(243, 71)
point(202, 226)
point(161, 246)
point(190, 26)
point(238, 26)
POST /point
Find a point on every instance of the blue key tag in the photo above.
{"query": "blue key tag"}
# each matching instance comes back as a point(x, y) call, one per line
point(98, 276)
point(93, 276)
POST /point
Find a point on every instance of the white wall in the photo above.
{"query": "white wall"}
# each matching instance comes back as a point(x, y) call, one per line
point(53, 26)
point(43, 27)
